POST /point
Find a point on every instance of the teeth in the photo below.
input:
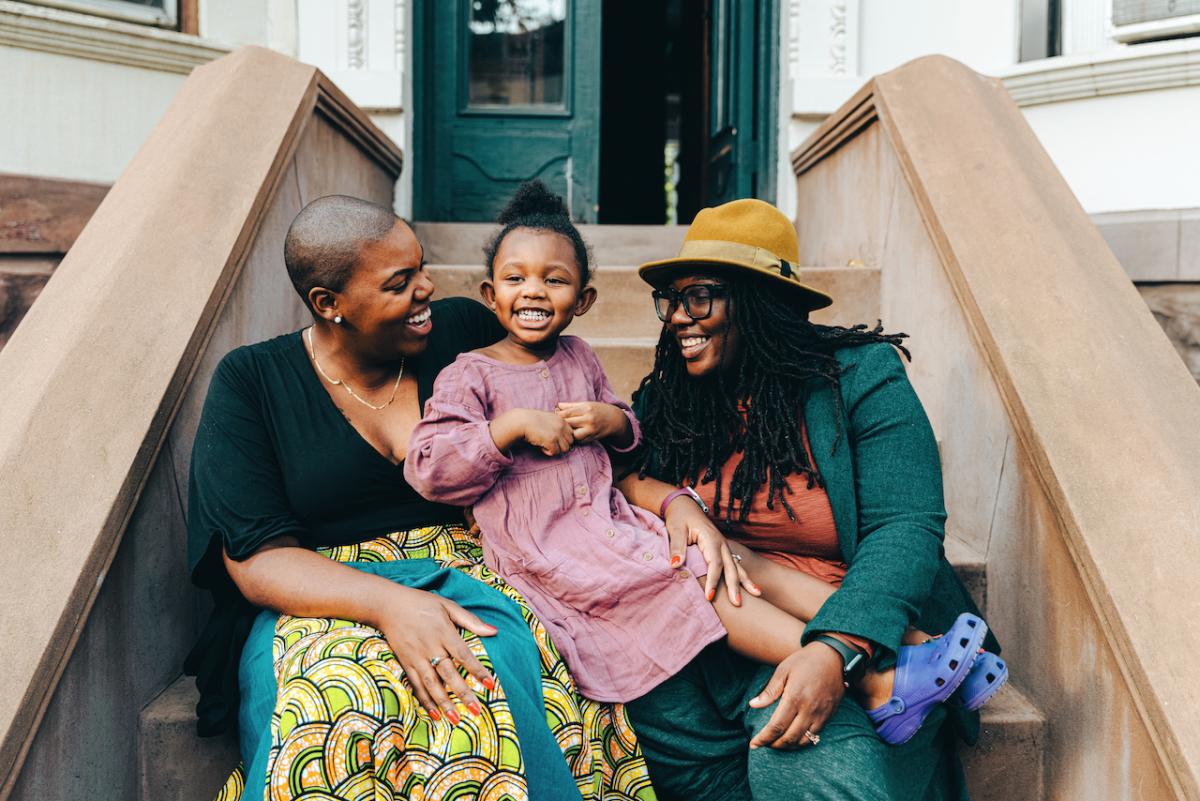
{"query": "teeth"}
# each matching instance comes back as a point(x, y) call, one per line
point(691, 342)
point(532, 315)
point(418, 319)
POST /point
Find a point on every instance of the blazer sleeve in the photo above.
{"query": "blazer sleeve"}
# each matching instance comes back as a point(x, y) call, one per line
point(901, 511)
point(452, 457)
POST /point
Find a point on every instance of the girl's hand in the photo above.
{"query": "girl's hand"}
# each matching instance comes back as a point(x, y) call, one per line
point(420, 626)
point(592, 420)
point(472, 523)
point(809, 687)
point(547, 432)
point(688, 525)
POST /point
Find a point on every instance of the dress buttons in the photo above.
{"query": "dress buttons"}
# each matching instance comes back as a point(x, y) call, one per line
point(611, 533)
point(648, 556)
point(544, 373)
point(684, 574)
point(585, 512)
point(581, 490)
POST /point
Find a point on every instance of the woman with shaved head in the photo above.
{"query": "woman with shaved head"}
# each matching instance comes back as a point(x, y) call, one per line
point(357, 642)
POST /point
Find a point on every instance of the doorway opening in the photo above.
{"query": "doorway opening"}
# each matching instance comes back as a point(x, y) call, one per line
point(687, 107)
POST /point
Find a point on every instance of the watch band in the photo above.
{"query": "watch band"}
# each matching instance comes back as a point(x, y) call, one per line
point(854, 661)
point(691, 493)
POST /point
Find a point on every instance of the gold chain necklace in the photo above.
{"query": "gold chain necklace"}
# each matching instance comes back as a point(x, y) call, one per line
point(337, 382)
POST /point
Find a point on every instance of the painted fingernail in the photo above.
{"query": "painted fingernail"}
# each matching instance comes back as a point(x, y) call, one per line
point(675, 560)
point(475, 708)
point(756, 588)
point(453, 717)
point(737, 599)
point(433, 713)
point(710, 595)
point(489, 682)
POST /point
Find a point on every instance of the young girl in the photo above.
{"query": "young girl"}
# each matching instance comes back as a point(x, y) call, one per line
point(521, 431)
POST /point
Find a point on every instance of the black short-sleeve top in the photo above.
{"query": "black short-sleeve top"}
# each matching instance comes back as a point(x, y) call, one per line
point(275, 457)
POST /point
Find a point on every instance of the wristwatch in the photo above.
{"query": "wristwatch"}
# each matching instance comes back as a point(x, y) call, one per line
point(854, 661)
point(662, 510)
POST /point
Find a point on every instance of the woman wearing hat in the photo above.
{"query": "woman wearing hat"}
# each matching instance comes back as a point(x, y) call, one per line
point(808, 444)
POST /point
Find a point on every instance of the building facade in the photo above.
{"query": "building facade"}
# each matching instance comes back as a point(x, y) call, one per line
point(638, 115)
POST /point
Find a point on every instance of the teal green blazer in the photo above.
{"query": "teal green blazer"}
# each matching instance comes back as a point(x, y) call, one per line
point(881, 468)
point(879, 459)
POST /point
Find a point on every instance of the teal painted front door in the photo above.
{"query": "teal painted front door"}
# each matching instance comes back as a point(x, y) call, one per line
point(742, 88)
point(507, 91)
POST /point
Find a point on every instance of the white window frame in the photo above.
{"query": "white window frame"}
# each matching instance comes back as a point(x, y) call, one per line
point(1155, 29)
point(166, 17)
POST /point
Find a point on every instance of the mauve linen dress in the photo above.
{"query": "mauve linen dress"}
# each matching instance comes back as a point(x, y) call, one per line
point(595, 569)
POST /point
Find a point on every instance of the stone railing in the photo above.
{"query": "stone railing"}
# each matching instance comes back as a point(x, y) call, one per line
point(101, 388)
point(1070, 428)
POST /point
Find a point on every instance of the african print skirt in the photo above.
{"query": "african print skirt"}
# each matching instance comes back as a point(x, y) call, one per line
point(328, 714)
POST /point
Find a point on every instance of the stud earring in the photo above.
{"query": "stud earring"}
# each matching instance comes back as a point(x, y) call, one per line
point(338, 319)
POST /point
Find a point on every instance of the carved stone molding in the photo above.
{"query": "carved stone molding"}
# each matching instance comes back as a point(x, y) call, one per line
point(356, 34)
point(837, 35)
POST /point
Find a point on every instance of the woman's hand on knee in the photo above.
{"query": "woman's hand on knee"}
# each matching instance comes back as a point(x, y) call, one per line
point(808, 685)
point(421, 628)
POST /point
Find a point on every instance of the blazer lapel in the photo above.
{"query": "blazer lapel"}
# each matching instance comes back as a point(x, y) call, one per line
point(835, 464)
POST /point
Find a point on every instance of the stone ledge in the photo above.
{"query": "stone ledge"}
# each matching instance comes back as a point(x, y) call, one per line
point(1160, 65)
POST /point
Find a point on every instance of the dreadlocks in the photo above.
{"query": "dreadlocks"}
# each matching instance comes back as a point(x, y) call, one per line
point(693, 425)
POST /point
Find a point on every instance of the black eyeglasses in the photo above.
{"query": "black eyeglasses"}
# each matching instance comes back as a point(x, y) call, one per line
point(697, 300)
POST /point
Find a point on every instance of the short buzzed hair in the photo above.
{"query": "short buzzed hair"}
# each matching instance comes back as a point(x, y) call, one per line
point(325, 240)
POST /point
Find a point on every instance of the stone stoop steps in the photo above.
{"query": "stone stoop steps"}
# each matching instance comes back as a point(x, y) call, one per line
point(1006, 764)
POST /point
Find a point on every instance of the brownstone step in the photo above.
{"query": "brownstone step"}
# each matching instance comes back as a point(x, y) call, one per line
point(463, 243)
point(1007, 763)
point(174, 764)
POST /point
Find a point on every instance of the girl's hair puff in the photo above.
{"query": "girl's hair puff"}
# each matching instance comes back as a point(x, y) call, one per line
point(534, 206)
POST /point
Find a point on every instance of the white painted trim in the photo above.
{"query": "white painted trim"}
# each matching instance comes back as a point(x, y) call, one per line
point(92, 37)
point(1137, 68)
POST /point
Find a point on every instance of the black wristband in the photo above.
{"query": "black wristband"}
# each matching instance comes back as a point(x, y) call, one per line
point(854, 661)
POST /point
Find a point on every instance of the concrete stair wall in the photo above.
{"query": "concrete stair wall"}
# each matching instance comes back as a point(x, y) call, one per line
point(1006, 764)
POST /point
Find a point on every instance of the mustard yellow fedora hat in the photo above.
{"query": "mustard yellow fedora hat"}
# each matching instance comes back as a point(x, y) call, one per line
point(747, 235)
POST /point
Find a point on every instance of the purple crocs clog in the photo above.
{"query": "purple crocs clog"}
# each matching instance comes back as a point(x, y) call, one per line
point(984, 679)
point(926, 675)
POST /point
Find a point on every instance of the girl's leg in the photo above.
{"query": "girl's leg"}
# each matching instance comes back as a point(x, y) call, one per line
point(758, 629)
point(797, 593)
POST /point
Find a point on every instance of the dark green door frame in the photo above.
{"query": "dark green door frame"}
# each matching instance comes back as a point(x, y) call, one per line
point(743, 88)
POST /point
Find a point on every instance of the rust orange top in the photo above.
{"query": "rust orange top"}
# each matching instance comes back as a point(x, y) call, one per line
point(809, 543)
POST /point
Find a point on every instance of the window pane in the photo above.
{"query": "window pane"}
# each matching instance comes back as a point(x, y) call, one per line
point(1127, 12)
point(516, 52)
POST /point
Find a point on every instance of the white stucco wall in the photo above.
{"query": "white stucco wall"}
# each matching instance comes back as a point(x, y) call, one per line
point(1126, 152)
point(1130, 147)
point(75, 118)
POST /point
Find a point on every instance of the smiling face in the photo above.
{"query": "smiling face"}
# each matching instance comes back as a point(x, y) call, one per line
point(706, 345)
point(536, 288)
point(385, 303)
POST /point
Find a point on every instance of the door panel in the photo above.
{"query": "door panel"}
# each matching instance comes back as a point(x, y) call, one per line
point(510, 93)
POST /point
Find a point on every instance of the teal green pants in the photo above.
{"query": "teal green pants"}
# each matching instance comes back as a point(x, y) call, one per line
point(695, 729)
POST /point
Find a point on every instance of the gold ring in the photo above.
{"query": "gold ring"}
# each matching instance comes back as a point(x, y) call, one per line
point(815, 739)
